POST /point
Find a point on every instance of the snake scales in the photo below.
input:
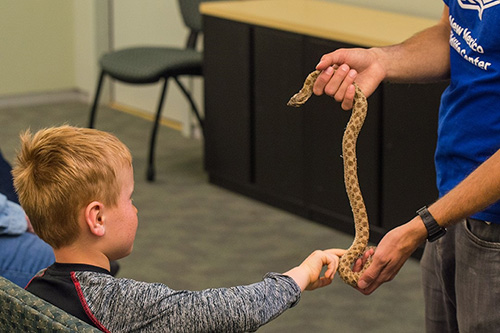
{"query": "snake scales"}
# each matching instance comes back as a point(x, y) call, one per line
point(362, 231)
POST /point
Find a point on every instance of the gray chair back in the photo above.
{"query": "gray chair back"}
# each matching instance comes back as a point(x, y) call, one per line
point(191, 14)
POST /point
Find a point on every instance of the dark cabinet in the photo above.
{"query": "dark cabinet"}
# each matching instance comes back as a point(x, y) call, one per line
point(409, 138)
point(291, 157)
point(278, 128)
point(227, 71)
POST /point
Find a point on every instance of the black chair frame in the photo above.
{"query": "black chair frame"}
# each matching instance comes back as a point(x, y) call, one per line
point(191, 44)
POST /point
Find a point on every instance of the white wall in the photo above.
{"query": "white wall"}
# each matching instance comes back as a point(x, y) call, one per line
point(36, 52)
point(91, 33)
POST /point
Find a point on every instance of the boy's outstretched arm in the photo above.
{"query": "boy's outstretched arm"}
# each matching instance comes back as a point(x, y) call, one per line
point(308, 274)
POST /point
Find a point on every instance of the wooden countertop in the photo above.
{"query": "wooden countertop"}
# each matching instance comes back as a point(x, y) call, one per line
point(328, 20)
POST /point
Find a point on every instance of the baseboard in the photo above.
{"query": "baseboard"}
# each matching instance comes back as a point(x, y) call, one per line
point(176, 125)
point(71, 95)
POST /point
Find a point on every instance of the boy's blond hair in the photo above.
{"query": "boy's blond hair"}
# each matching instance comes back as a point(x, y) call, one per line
point(60, 170)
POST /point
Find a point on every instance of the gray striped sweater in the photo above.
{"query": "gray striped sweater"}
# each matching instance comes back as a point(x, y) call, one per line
point(124, 305)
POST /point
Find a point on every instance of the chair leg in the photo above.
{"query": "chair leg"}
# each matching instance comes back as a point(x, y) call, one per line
point(191, 101)
point(151, 168)
point(93, 111)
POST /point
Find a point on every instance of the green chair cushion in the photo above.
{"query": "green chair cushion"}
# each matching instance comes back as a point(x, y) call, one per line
point(150, 64)
point(22, 311)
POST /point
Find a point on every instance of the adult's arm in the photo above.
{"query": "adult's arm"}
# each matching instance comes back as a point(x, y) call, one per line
point(476, 192)
point(424, 57)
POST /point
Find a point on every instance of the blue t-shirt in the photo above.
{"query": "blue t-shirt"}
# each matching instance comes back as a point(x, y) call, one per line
point(469, 118)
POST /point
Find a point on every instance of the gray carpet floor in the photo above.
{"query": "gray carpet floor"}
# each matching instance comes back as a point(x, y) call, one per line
point(194, 235)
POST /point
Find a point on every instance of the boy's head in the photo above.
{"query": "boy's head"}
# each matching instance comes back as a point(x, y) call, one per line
point(60, 171)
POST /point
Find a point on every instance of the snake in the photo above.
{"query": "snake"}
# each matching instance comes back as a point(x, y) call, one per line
point(349, 141)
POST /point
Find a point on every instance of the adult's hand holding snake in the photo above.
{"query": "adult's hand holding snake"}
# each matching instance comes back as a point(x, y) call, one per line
point(392, 252)
point(360, 65)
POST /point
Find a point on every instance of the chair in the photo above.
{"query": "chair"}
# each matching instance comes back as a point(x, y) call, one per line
point(143, 65)
point(24, 312)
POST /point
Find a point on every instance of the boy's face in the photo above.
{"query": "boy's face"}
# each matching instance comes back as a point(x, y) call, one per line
point(121, 220)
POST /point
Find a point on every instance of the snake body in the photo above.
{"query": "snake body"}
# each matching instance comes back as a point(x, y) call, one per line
point(362, 229)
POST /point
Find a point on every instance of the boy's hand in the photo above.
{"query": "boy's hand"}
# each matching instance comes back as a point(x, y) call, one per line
point(308, 274)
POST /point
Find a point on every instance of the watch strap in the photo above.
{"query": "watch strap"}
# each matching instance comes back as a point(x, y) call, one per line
point(434, 230)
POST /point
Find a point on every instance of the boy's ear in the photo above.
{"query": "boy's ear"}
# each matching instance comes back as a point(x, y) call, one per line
point(94, 218)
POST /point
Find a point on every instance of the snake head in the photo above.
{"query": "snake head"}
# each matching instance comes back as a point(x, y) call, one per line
point(295, 101)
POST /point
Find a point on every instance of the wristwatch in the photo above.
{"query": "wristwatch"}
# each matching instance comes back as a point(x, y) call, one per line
point(434, 230)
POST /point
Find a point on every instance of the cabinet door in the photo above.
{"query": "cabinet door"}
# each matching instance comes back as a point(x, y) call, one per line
point(324, 124)
point(278, 128)
point(227, 100)
point(409, 140)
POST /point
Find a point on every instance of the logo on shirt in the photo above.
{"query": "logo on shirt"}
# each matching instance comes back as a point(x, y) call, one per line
point(479, 5)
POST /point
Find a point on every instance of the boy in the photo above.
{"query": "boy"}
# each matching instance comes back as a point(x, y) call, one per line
point(76, 185)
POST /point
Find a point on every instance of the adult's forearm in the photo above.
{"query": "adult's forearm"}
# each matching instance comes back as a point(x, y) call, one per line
point(425, 57)
point(480, 189)
point(476, 192)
